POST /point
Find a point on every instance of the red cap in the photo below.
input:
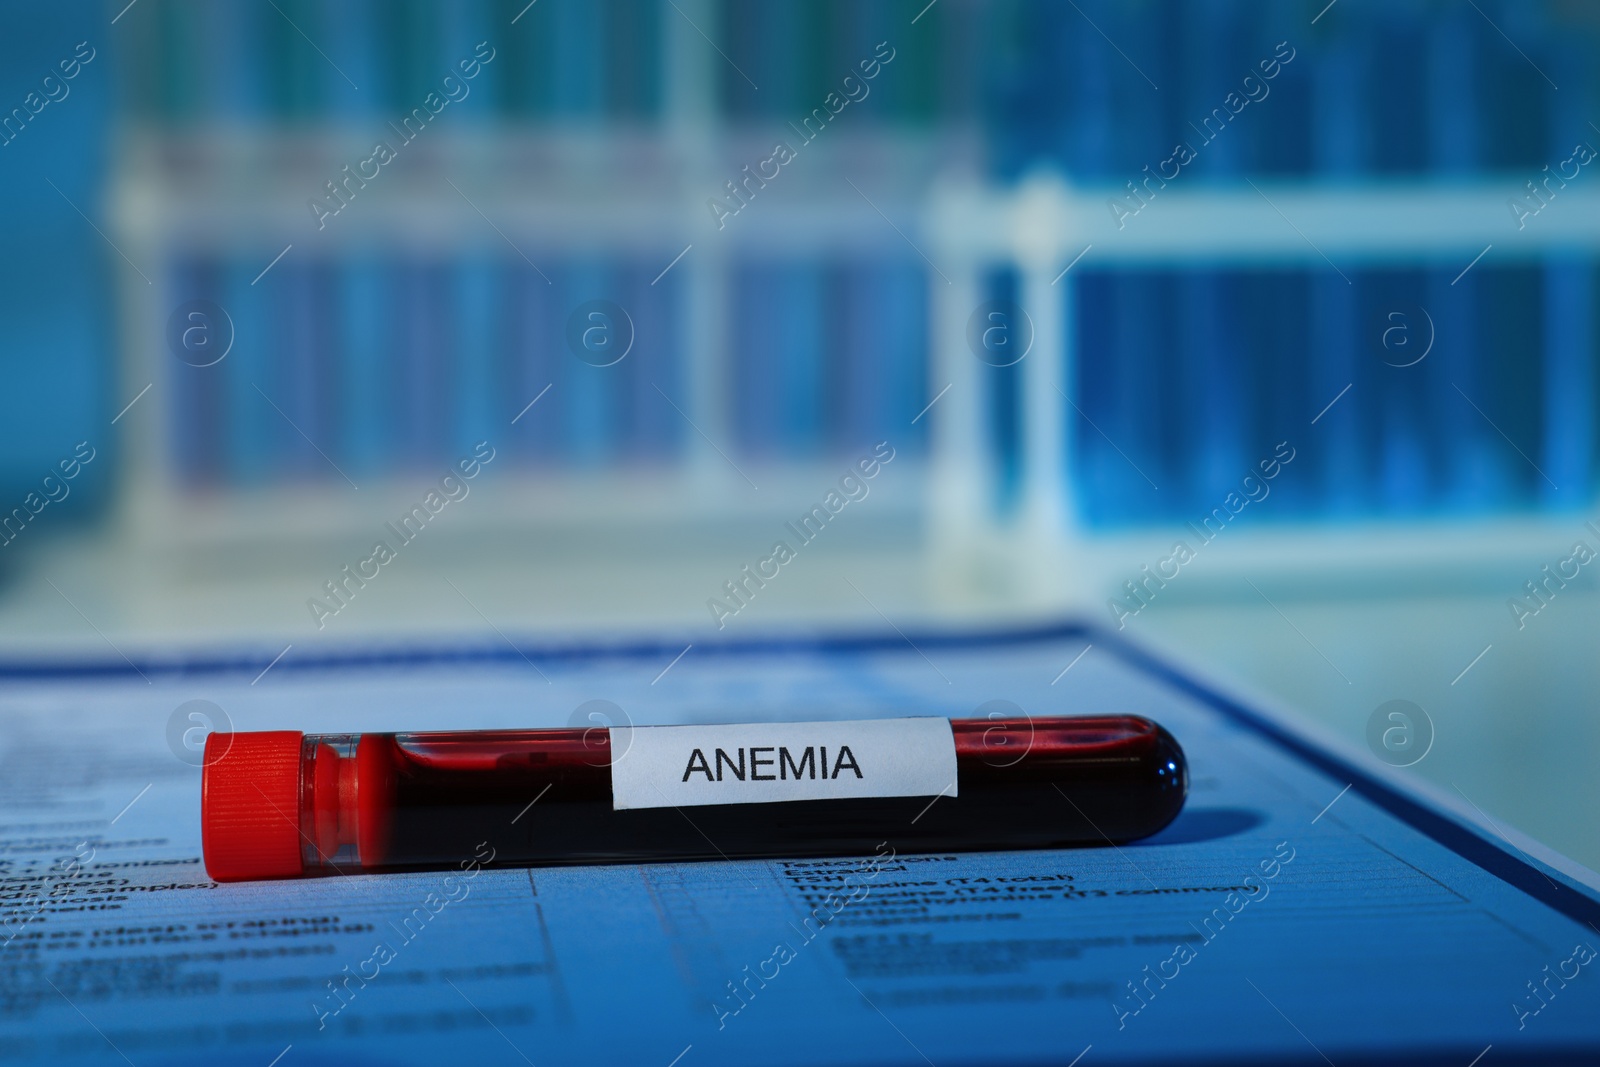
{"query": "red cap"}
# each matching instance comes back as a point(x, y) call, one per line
point(250, 806)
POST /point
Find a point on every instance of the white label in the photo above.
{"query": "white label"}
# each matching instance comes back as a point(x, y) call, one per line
point(763, 763)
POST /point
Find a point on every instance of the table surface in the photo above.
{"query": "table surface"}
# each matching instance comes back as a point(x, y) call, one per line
point(1515, 729)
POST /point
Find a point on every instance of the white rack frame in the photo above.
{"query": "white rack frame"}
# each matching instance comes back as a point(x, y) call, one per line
point(1039, 227)
point(213, 200)
point(1042, 226)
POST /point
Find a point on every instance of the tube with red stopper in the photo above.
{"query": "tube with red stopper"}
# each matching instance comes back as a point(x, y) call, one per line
point(285, 804)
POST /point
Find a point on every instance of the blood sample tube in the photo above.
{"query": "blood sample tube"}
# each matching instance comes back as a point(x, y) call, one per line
point(285, 804)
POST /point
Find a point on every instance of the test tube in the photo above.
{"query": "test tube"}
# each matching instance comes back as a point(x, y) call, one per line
point(284, 804)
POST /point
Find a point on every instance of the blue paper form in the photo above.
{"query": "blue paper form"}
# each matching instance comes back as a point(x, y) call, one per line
point(1297, 911)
